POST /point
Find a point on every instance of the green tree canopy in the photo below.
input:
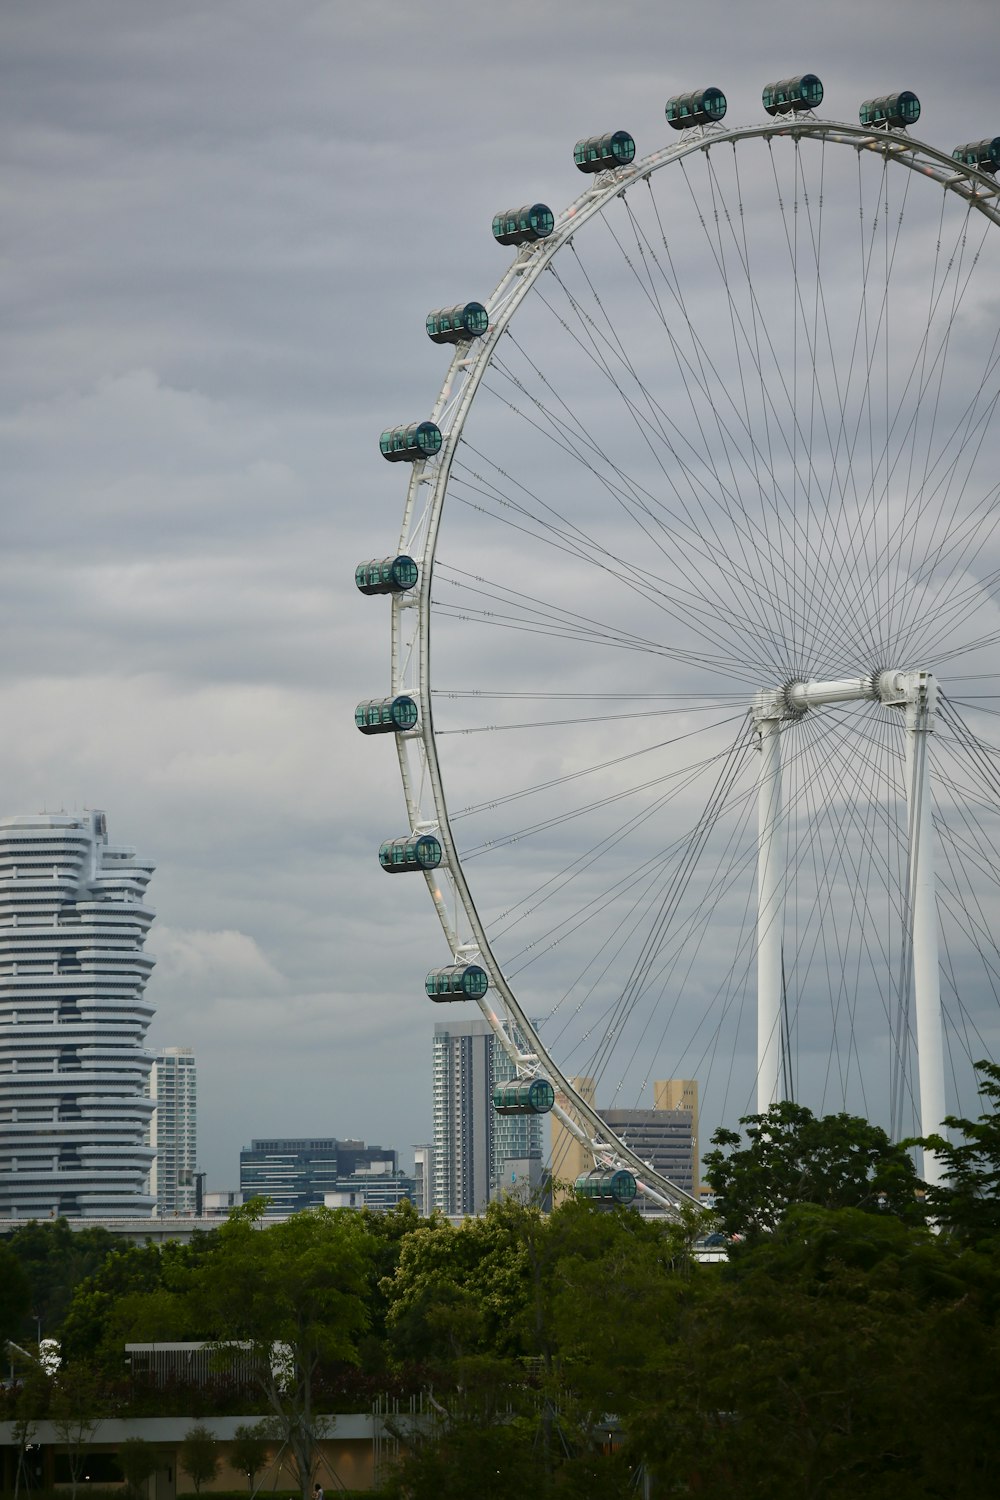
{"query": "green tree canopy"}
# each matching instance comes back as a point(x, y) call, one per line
point(55, 1259)
point(967, 1202)
point(199, 1456)
point(295, 1294)
point(793, 1156)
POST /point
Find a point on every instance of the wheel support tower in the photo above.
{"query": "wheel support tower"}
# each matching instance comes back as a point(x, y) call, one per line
point(915, 693)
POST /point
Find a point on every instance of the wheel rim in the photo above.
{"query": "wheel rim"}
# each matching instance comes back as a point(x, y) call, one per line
point(973, 196)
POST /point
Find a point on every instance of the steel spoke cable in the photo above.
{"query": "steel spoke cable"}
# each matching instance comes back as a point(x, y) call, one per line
point(684, 617)
point(553, 885)
point(556, 820)
point(720, 489)
point(649, 504)
point(722, 563)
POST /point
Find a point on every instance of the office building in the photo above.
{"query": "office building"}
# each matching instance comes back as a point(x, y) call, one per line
point(174, 1130)
point(682, 1093)
point(298, 1173)
point(659, 1137)
point(74, 1073)
point(376, 1188)
point(666, 1136)
point(476, 1152)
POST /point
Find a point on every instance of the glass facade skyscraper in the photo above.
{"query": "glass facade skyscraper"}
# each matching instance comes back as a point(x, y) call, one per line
point(472, 1143)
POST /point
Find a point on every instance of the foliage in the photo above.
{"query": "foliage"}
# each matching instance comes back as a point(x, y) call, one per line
point(15, 1295)
point(793, 1156)
point(295, 1295)
point(138, 1461)
point(967, 1203)
point(54, 1260)
point(199, 1456)
point(788, 1370)
point(249, 1450)
point(75, 1411)
point(139, 1292)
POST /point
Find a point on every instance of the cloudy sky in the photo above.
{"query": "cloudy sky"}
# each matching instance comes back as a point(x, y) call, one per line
point(221, 226)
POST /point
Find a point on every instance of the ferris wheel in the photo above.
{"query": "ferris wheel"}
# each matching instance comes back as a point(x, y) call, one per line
point(702, 534)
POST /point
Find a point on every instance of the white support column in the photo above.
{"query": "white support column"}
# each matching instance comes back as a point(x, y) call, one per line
point(769, 710)
point(920, 705)
point(916, 693)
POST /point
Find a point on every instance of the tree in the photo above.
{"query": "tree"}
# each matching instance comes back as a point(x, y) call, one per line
point(75, 1412)
point(55, 1259)
point(199, 1456)
point(792, 1156)
point(139, 1292)
point(138, 1461)
point(15, 1295)
point(967, 1202)
point(249, 1450)
point(295, 1294)
point(30, 1405)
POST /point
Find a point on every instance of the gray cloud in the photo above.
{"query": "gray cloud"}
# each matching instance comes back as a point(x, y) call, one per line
point(223, 227)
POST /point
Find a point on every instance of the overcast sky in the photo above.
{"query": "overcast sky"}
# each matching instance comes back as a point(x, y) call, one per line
point(222, 225)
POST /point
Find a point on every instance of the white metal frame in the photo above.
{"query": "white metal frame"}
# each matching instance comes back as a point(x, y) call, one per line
point(411, 674)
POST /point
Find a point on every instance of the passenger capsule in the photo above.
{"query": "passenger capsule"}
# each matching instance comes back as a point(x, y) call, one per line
point(456, 325)
point(891, 111)
point(791, 95)
point(596, 153)
point(410, 443)
point(386, 715)
point(386, 575)
point(523, 1096)
point(607, 1186)
point(519, 226)
point(457, 982)
point(415, 852)
point(699, 108)
point(982, 154)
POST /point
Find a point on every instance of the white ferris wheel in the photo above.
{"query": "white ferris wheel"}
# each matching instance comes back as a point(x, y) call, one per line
point(696, 632)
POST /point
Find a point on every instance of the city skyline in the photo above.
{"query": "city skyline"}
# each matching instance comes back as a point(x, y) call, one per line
point(224, 232)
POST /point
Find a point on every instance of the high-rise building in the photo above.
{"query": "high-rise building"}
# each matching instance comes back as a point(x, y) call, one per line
point(473, 1145)
point(659, 1137)
point(297, 1173)
point(174, 1130)
point(682, 1093)
point(665, 1136)
point(423, 1174)
point(74, 1074)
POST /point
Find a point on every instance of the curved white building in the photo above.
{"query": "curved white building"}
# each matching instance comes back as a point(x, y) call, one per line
point(74, 1073)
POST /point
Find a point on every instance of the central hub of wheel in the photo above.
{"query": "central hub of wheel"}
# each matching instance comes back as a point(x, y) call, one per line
point(914, 690)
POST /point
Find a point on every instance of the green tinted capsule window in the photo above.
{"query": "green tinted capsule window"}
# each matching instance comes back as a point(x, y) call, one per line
point(891, 111)
point(600, 153)
point(456, 325)
point(386, 575)
point(606, 1186)
point(410, 443)
point(457, 982)
point(523, 1096)
point(791, 95)
point(386, 715)
point(398, 856)
point(982, 154)
point(520, 226)
point(702, 107)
